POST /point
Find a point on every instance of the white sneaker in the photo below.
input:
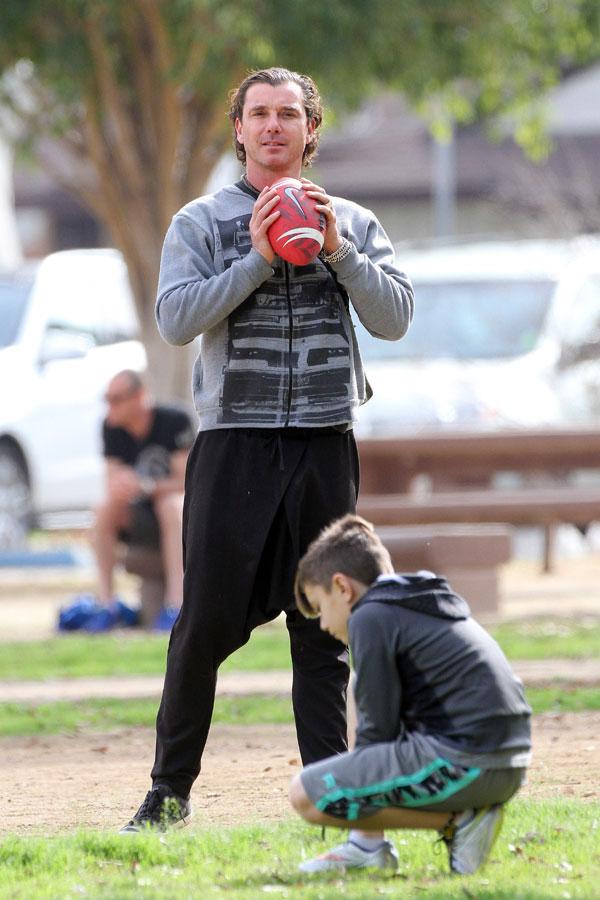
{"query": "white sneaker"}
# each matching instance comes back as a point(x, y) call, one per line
point(470, 837)
point(350, 856)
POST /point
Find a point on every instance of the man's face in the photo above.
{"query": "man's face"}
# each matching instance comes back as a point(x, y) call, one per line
point(124, 403)
point(274, 129)
point(332, 606)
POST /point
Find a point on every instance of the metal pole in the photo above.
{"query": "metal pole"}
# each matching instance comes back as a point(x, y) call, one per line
point(444, 185)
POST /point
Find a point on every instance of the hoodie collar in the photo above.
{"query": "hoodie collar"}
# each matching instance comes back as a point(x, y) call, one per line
point(244, 185)
point(421, 592)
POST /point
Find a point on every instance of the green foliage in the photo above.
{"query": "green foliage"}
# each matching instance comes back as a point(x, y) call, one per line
point(134, 94)
point(491, 55)
point(546, 849)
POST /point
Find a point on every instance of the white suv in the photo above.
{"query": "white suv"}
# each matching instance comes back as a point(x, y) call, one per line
point(505, 334)
point(67, 324)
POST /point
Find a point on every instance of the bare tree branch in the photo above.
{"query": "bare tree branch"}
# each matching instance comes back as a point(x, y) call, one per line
point(126, 154)
point(205, 137)
point(164, 104)
point(103, 164)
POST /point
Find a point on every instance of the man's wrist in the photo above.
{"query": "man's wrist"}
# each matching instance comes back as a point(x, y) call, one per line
point(148, 486)
point(340, 253)
point(267, 254)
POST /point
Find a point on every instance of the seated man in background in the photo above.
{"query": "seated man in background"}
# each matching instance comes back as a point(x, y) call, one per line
point(146, 448)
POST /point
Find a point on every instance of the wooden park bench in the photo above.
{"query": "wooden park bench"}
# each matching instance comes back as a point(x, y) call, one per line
point(544, 506)
point(453, 459)
point(461, 470)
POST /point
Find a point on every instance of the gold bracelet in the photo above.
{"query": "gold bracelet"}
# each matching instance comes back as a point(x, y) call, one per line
point(340, 253)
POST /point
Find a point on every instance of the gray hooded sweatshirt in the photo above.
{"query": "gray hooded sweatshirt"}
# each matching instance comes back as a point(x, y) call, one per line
point(423, 664)
point(278, 347)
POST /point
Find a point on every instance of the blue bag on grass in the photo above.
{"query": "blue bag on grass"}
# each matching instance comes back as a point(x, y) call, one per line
point(86, 614)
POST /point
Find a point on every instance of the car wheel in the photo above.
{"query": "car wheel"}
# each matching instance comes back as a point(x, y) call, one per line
point(15, 499)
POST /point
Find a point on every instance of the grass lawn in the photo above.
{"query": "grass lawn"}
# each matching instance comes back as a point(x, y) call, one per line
point(127, 653)
point(545, 637)
point(546, 849)
point(134, 653)
point(106, 715)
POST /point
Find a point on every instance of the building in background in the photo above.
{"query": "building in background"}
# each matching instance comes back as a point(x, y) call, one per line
point(51, 218)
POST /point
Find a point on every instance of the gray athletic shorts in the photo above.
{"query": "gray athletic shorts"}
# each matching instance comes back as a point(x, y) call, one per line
point(409, 773)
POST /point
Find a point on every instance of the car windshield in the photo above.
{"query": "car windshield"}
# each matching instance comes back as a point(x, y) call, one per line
point(468, 320)
point(13, 301)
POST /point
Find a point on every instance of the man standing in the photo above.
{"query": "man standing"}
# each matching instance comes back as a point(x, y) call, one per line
point(146, 449)
point(277, 386)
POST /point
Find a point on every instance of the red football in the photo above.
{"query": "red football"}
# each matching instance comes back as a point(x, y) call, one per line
point(297, 235)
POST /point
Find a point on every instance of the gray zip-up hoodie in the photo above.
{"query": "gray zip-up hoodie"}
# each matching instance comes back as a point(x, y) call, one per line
point(423, 664)
point(278, 346)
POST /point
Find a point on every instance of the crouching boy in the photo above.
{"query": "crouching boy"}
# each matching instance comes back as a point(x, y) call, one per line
point(443, 734)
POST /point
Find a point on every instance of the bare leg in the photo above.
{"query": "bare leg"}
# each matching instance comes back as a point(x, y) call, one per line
point(352, 720)
point(392, 817)
point(169, 512)
point(109, 518)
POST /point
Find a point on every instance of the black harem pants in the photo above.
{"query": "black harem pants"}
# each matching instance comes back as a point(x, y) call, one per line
point(254, 500)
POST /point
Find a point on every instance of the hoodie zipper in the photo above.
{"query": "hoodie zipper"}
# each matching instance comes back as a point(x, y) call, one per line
point(290, 339)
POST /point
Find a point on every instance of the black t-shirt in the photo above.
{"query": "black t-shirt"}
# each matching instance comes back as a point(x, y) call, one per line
point(150, 456)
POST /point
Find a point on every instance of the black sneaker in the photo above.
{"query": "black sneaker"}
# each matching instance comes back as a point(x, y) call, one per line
point(160, 810)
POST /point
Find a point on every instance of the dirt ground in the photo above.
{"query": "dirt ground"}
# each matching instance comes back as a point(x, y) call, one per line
point(60, 783)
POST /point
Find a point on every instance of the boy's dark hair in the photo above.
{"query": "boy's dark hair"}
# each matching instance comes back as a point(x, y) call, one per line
point(276, 76)
point(348, 545)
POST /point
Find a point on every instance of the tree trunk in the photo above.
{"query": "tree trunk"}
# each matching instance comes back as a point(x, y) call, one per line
point(141, 145)
point(169, 368)
point(169, 371)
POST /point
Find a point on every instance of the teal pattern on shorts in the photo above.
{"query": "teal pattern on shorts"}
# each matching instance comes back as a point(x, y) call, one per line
point(434, 782)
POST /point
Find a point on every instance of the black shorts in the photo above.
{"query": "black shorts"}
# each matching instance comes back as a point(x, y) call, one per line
point(143, 529)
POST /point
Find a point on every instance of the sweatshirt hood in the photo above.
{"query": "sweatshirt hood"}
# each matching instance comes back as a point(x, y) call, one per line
point(422, 592)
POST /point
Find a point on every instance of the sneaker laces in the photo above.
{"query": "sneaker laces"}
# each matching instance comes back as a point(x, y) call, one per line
point(446, 833)
point(153, 800)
